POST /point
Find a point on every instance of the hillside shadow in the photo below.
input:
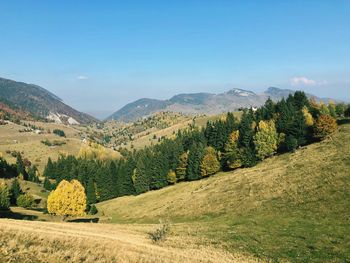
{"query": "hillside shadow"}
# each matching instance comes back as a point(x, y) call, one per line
point(343, 121)
point(19, 216)
point(84, 220)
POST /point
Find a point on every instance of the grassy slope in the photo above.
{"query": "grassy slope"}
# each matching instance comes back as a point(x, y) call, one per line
point(294, 206)
point(30, 143)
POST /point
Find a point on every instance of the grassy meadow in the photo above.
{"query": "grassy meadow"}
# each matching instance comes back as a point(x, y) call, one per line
point(289, 208)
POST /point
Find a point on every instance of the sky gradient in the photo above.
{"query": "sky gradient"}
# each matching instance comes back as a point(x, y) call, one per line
point(97, 56)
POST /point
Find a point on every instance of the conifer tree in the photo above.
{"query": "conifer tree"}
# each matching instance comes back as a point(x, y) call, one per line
point(195, 156)
point(232, 154)
point(47, 184)
point(90, 192)
point(15, 191)
point(20, 167)
point(4, 196)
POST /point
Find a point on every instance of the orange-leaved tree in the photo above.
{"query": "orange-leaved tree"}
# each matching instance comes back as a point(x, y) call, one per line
point(325, 126)
point(68, 199)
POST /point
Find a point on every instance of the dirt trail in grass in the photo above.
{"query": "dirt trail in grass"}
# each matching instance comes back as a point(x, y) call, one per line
point(105, 243)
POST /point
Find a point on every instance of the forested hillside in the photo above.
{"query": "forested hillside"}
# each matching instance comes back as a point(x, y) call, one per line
point(198, 153)
point(39, 102)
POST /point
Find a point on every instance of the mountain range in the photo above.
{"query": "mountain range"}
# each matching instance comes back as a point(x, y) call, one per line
point(37, 102)
point(200, 103)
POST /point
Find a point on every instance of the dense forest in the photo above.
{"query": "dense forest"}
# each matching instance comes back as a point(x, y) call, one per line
point(225, 144)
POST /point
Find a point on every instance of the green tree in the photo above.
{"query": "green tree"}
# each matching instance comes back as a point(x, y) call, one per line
point(20, 167)
point(91, 192)
point(210, 164)
point(15, 191)
point(47, 184)
point(266, 139)
point(232, 154)
point(25, 201)
point(195, 156)
point(4, 196)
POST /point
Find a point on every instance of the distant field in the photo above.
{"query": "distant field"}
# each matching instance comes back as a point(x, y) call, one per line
point(29, 143)
point(294, 206)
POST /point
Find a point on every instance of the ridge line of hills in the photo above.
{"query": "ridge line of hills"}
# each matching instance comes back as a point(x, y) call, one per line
point(201, 103)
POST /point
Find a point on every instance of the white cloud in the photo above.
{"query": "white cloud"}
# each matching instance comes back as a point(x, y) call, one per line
point(82, 77)
point(304, 81)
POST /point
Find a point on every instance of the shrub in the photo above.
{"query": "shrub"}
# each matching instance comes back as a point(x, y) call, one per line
point(59, 132)
point(161, 232)
point(171, 177)
point(25, 201)
point(4, 196)
point(93, 210)
point(324, 126)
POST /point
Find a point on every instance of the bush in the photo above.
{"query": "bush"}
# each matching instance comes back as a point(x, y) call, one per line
point(59, 132)
point(325, 126)
point(93, 210)
point(25, 201)
point(161, 232)
point(4, 196)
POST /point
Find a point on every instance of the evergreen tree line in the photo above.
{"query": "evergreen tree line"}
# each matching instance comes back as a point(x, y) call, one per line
point(225, 144)
point(22, 168)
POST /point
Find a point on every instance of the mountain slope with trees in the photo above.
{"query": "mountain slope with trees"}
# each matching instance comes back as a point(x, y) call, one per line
point(39, 103)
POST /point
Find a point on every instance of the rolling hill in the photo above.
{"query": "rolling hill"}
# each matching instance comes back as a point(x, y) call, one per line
point(289, 207)
point(38, 102)
point(199, 103)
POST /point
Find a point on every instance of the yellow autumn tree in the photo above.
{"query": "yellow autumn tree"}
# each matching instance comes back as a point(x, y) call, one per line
point(68, 199)
point(94, 151)
point(266, 139)
point(171, 177)
point(308, 117)
point(210, 164)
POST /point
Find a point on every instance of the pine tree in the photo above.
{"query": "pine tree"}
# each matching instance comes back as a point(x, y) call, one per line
point(49, 170)
point(20, 167)
point(47, 184)
point(15, 191)
point(90, 192)
point(4, 196)
point(195, 156)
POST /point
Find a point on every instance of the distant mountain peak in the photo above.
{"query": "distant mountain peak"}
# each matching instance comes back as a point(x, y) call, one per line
point(241, 92)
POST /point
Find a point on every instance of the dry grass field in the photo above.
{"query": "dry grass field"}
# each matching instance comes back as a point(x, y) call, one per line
point(26, 241)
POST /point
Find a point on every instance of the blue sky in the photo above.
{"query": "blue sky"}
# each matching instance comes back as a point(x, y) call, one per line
point(99, 55)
